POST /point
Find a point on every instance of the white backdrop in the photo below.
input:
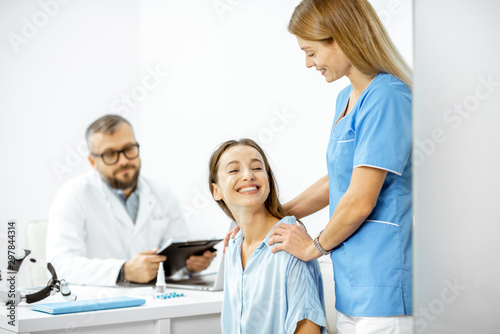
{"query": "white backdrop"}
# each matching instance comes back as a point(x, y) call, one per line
point(188, 74)
point(456, 157)
point(235, 71)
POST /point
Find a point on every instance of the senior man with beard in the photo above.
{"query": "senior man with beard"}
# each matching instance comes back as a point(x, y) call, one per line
point(105, 227)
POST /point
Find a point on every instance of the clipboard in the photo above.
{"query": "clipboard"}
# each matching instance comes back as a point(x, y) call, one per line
point(88, 305)
point(178, 252)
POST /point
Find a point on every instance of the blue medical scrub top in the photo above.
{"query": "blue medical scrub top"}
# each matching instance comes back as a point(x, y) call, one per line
point(273, 293)
point(373, 267)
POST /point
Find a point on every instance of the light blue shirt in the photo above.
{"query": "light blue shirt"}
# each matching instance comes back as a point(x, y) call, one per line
point(131, 203)
point(373, 267)
point(273, 293)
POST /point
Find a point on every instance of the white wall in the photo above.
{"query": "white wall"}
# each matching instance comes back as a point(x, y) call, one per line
point(456, 158)
point(233, 71)
point(62, 65)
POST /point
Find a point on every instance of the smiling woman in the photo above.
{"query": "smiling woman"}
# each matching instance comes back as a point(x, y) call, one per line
point(326, 58)
point(368, 185)
point(272, 203)
point(281, 294)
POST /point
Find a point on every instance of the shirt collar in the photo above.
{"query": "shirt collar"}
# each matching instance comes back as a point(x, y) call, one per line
point(238, 239)
point(121, 194)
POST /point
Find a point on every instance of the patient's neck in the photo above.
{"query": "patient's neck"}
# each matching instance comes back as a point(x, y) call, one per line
point(254, 225)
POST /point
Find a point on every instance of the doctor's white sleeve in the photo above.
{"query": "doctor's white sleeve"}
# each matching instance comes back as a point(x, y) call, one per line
point(66, 245)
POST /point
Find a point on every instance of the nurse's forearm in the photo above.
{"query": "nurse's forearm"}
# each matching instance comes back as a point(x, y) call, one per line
point(354, 207)
point(346, 219)
point(310, 200)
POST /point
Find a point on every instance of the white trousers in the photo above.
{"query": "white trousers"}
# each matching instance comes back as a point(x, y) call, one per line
point(401, 324)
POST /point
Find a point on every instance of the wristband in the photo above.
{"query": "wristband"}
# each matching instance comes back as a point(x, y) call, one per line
point(318, 246)
point(121, 275)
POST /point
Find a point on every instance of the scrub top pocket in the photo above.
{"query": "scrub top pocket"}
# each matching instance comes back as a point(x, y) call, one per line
point(373, 255)
point(344, 160)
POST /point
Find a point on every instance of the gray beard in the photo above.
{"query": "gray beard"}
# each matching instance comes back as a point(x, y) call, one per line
point(121, 185)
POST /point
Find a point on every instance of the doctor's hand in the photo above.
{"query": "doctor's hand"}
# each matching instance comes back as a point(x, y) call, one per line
point(231, 235)
point(143, 267)
point(294, 240)
point(200, 262)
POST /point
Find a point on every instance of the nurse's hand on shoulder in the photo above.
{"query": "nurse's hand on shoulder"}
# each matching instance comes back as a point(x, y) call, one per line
point(200, 262)
point(294, 240)
point(143, 266)
point(231, 234)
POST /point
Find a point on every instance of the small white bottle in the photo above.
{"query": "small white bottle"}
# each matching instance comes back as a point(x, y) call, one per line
point(160, 280)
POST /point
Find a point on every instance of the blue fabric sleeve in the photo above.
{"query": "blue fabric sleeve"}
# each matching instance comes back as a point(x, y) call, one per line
point(304, 288)
point(383, 129)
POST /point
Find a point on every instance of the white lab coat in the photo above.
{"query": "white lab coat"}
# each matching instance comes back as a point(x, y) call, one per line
point(90, 234)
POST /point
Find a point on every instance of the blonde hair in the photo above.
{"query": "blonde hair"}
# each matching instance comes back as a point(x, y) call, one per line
point(358, 31)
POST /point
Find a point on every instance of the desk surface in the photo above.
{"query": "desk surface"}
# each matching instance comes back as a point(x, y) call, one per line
point(193, 304)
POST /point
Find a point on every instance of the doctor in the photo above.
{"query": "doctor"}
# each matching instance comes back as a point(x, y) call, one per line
point(106, 226)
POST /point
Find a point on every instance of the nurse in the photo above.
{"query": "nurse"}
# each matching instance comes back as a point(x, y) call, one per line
point(368, 186)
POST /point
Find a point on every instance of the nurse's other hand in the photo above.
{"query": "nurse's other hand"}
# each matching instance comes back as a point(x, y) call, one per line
point(294, 240)
point(200, 262)
point(143, 266)
point(231, 235)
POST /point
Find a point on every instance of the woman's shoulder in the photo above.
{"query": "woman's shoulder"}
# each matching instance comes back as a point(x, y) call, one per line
point(290, 220)
point(386, 93)
point(281, 256)
point(386, 85)
point(287, 257)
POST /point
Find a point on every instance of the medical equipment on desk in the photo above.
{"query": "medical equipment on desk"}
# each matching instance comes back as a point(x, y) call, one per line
point(9, 294)
point(169, 295)
point(161, 285)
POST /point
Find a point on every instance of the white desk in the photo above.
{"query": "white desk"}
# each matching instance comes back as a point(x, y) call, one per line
point(196, 312)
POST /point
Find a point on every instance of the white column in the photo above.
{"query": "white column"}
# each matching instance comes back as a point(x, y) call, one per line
point(456, 166)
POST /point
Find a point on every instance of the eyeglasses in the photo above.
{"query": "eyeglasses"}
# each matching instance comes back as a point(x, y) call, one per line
point(112, 157)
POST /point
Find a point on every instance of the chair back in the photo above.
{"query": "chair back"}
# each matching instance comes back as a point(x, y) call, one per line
point(326, 268)
point(35, 241)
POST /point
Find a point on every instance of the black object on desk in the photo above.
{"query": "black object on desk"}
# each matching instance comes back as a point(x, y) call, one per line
point(178, 252)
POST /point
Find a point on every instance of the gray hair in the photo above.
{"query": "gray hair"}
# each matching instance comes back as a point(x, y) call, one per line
point(105, 124)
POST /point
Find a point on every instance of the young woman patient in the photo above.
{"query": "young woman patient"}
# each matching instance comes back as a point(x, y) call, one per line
point(263, 292)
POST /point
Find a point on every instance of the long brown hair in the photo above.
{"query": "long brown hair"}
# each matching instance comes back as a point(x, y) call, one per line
point(272, 203)
point(358, 31)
